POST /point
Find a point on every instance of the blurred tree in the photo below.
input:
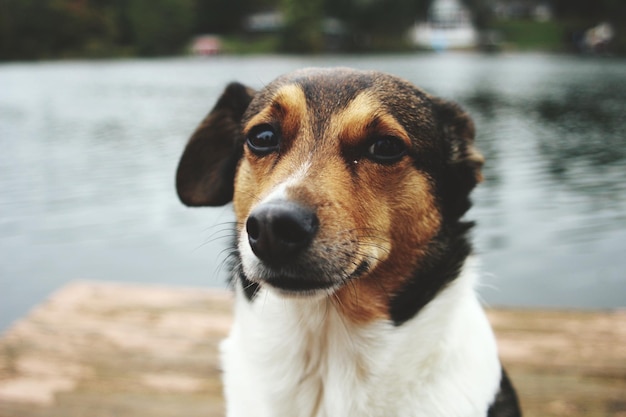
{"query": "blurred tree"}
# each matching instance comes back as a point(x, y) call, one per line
point(160, 27)
point(35, 28)
point(220, 16)
point(593, 11)
point(369, 20)
point(580, 15)
point(482, 12)
point(302, 31)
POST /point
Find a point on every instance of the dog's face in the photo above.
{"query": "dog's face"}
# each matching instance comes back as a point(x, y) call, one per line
point(343, 182)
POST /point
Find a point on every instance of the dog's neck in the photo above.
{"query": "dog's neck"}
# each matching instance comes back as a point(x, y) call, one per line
point(301, 357)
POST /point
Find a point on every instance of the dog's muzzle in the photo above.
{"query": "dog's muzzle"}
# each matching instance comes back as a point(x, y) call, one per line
point(293, 255)
point(280, 230)
point(281, 234)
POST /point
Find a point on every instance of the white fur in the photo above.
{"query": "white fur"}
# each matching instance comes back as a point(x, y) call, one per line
point(280, 191)
point(252, 266)
point(298, 357)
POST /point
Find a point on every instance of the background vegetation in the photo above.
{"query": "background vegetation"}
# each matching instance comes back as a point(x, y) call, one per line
point(44, 29)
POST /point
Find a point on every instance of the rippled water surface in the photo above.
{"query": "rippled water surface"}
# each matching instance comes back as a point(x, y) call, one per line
point(88, 152)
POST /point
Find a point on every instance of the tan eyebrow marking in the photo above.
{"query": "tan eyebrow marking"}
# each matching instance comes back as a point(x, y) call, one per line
point(364, 116)
point(287, 107)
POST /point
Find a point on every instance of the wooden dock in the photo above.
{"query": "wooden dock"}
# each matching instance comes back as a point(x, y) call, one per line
point(101, 349)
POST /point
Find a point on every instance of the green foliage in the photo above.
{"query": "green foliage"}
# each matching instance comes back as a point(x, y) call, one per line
point(303, 26)
point(580, 15)
point(592, 12)
point(529, 34)
point(482, 12)
point(160, 27)
point(35, 29)
point(220, 16)
point(42, 29)
point(376, 23)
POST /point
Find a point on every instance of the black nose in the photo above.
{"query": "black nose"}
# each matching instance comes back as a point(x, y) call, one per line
point(279, 230)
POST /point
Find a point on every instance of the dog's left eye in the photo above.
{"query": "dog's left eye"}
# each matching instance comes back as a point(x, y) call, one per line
point(262, 139)
point(387, 149)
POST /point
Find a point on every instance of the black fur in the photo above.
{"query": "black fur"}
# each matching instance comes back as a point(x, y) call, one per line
point(443, 265)
point(506, 403)
point(250, 288)
point(213, 152)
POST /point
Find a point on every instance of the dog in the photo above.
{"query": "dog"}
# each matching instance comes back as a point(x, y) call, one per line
point(353, 275)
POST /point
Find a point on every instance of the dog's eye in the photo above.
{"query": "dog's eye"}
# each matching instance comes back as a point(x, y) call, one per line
point(262, 139)
point(387, 149)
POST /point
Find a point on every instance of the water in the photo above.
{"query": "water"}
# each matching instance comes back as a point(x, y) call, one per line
point(88, 152)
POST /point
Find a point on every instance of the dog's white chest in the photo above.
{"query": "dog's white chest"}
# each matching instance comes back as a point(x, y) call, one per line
point(301, 358)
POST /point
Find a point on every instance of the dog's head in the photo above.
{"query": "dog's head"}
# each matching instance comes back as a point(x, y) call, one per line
point(343, 182)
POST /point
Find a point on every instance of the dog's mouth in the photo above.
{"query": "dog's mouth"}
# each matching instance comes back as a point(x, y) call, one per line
point(305, 283)
point(298, 285)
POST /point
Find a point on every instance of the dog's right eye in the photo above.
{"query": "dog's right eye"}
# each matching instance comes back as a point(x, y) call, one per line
point(262, 139)
point(386, 149)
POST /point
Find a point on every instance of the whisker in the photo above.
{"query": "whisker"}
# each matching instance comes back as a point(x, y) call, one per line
point(213, 226)
point(227, 234)
point(231, 257)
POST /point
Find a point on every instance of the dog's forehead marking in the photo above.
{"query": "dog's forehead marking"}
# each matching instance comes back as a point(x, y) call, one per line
point(288, 104)
point(352, 115)
point(363, 116)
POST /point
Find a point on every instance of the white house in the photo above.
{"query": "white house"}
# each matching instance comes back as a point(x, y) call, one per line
point(449, 26)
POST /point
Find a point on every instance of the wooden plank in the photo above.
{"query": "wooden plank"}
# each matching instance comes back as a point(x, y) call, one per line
point(103, 349)
point(565, 363)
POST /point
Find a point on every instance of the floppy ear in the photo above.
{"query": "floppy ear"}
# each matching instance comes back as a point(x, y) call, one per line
point(463, 161)
point(206, 170)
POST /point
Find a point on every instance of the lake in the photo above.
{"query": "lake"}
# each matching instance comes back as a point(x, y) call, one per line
point(88, 152)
